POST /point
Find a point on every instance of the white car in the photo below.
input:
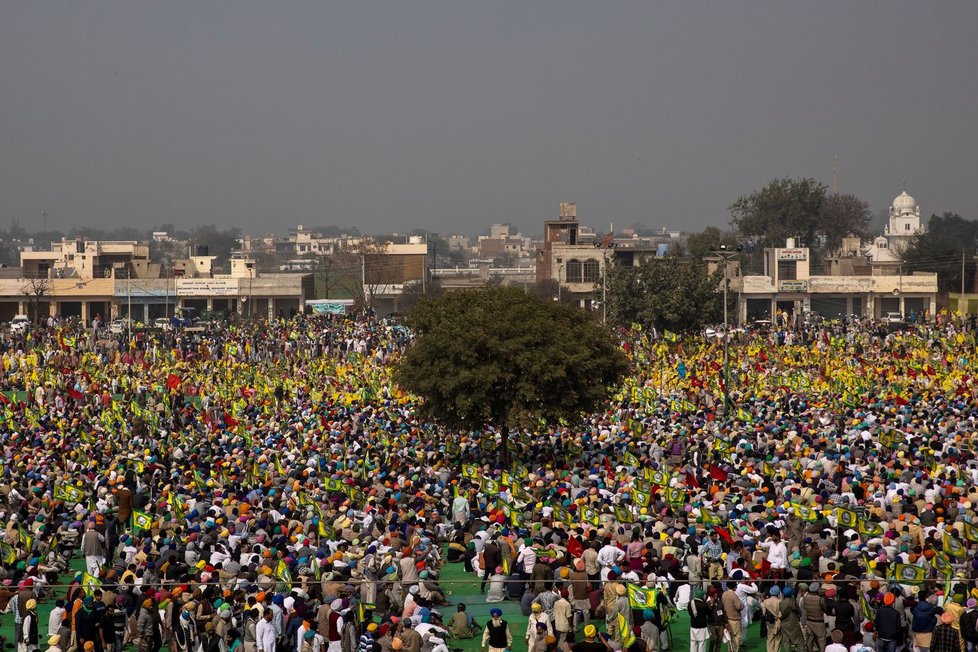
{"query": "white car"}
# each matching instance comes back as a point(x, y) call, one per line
point(893, 318)
point(163, 323)
point(20, 323)
point(120, 326)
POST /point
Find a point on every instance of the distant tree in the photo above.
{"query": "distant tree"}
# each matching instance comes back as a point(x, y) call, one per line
point(877, 221)
point(783, 209)
point(414, 292)
point(376, 268)
point(339, 275)
point(503, 358)
point(842, 216)
point(35, 290)
point(219, 242)
point(545, 289)
point(699, 245)
point(333, 231)
point(940, 250)
point(674, 293)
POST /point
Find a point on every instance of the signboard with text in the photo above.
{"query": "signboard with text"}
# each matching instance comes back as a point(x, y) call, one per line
point(206, 287)
point(792, 254)
point(793, 286)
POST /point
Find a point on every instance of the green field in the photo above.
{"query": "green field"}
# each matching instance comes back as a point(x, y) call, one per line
point(464, 587)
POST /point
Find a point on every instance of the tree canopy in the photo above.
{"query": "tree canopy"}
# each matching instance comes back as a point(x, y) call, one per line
point(503, 358)
point(798, 208)
point(842, 216)
point(670, 293)
point(940, 248)
point(702, 243)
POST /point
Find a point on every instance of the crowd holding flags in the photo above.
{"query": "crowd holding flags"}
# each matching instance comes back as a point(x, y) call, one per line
point(285, 447)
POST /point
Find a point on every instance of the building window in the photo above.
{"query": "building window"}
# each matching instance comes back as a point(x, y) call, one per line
point(574, 272)
point(907, 226)
point(787, 270)
point(592, 270)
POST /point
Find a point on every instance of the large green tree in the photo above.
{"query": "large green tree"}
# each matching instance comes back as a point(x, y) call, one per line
point(841, 216)
point(671, 293)
point(500, 357)
point(702, 243)
point(785, 208)
point(948, 238)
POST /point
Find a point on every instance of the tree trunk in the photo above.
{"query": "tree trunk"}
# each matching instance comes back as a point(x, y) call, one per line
point(504, 446)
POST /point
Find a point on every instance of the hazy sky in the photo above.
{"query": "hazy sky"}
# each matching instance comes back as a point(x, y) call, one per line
point(454, 115)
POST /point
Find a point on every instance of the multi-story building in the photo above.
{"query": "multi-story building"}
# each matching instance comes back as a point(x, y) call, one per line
point(575, 257)
point(886, 251)
point(84, 279)
point(788, 286)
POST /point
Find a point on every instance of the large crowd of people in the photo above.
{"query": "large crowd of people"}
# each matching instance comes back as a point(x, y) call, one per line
point(267, 487)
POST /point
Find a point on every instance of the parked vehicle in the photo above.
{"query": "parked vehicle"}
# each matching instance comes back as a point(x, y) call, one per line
point(121, 326)
point(20, 323)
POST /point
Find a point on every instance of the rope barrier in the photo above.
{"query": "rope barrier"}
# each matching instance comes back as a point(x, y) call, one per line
point(556, 581)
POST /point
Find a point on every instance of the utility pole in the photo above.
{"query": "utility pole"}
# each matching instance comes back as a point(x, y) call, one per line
point(560, 269)
point(962, 273)
point(129, 301)
point(726, 255)
point(606, 245)
point(835, 175)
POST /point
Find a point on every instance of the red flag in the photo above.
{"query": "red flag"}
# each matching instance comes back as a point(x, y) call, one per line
point(575, 547)
point(230, 421)
point(173, 381)
point(691, 480)
point(899, 400)
point(723, 534)
point(75, 394)
point(717, 473)
point(4, 398)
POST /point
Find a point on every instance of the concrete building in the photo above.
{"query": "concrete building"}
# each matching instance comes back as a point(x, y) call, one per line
point(83, 279)
point(787, 285)
point(87, 259)
point(503, 244)
point(575, 257)
point(903, 225)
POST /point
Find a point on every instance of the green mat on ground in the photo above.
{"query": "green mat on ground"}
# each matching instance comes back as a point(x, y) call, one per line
point(465, 588)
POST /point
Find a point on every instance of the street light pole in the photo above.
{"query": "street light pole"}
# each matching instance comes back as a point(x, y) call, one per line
point(726, 255)
point(606, 245)
point(560, 270)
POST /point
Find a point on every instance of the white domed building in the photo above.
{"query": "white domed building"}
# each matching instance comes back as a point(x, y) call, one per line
point(864, 279)
point(899, 232)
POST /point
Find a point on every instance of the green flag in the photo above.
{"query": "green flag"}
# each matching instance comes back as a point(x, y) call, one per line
point(869, 528)
point(141, 521)
point(641, 498)
point(847, 518)
point(283, 574)
point(90, 584)
point(622, 515)
point(26, 539)
point(953, 547)
point(640, 597)
point(908, 574)
point(7, 553)
point(627, 638)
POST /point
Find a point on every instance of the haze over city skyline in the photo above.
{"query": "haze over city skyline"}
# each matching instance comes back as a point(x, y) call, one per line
point(450, 116)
